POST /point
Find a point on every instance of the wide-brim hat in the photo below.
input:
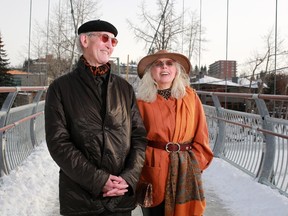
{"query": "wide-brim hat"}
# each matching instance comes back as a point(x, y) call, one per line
point(149, 59)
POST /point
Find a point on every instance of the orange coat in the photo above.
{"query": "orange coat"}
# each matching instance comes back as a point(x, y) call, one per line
point(174, 121)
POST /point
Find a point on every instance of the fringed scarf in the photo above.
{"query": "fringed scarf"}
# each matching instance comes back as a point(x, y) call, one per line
point(184, 186)
point(184, 190)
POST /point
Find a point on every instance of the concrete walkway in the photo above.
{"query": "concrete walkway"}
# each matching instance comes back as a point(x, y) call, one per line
point(215, 206)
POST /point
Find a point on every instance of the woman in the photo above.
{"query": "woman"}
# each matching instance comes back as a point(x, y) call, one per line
point(178, 146)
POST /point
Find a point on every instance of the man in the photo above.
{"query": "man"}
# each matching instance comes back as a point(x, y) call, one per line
point(94, 131)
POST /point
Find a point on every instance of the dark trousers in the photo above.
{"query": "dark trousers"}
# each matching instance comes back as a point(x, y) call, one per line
point(154, 211)
point(116, 214)
point(106, 213)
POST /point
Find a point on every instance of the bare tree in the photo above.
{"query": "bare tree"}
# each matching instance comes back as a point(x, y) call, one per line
point(264, 62)
point(164, 29)
point(65, 19)
point(192, 33)
point(263, 66)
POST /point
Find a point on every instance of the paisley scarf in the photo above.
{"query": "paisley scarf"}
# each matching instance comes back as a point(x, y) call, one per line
point(96, 70)
point(184, 190)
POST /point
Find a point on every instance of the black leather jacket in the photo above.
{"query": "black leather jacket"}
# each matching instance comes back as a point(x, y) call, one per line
point(88, 147)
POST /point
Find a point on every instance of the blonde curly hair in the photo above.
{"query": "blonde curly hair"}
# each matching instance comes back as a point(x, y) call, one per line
point(147, 90)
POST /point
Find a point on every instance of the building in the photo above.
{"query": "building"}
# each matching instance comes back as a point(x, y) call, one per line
point(239, 85)
point(223, 69)
point(22, 78)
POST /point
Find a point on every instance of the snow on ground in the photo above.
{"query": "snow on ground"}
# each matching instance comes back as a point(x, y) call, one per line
point(32, 189)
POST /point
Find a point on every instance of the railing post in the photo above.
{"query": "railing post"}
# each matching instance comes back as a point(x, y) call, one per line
point(32, 122)
point(265, 172)
point(219, 143)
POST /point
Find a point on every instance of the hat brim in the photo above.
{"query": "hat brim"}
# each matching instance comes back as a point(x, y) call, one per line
point(148, 60)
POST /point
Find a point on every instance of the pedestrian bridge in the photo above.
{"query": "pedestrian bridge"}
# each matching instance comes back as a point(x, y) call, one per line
point(254, 140)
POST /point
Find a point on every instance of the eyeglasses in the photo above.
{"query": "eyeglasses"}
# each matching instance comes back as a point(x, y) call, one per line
point(160, 64)
point(104, 38)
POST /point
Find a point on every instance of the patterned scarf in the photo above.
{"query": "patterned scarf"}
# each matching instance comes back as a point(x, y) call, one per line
point(184, 183)
point(96, 70)
point(184, 189)
point(165, 93)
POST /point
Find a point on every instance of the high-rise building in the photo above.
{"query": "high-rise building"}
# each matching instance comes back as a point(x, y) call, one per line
point(223, 69)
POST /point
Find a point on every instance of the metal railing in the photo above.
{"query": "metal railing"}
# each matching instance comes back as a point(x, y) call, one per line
point(256, 143)
point(21, 126)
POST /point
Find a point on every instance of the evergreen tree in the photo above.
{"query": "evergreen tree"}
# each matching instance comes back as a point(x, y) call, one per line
point(196, 69)
point(5, 78)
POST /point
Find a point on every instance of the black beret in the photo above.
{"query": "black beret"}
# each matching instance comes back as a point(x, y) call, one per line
point(97, 25)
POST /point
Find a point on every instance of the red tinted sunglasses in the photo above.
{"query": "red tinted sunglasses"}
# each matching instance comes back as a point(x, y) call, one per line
point(104, 38)
point(160, 64)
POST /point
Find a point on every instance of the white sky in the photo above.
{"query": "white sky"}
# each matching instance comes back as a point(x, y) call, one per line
point(32, 189)
point(249, 22)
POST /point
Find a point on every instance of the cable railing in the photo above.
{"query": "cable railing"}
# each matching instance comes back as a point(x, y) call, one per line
point(21, 124)
point(253, 138)
point(255, 142)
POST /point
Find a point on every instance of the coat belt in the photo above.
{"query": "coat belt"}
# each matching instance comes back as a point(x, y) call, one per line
point(170, 146)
